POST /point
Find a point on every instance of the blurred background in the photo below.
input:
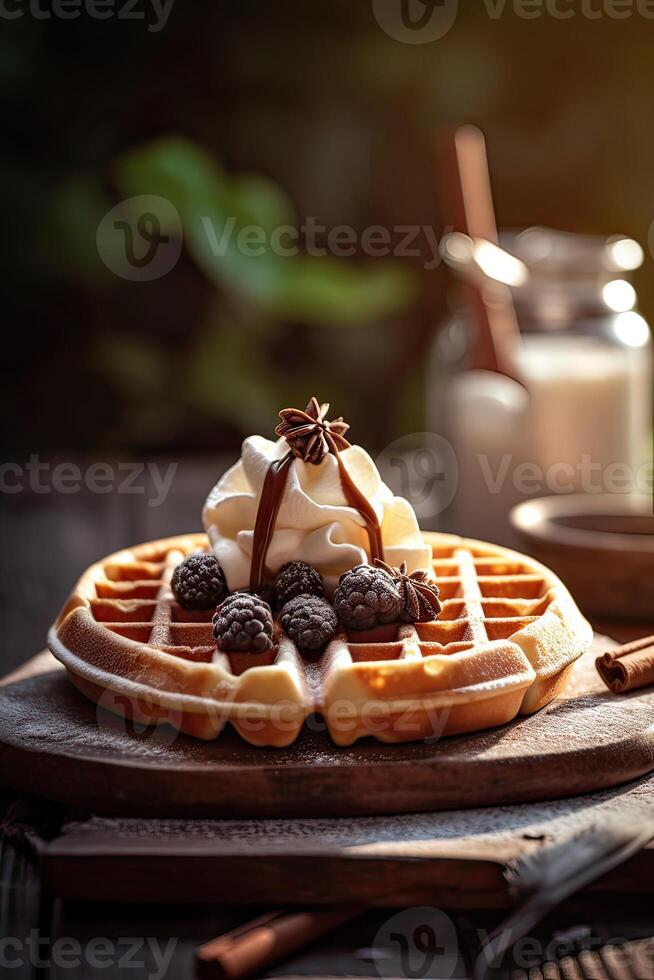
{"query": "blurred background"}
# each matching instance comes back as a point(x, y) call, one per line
point(315, 116)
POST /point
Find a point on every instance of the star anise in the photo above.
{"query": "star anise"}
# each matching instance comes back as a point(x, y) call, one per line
point(309, 434)
point(419, 593)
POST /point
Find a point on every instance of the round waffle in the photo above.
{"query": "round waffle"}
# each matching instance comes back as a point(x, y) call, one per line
point(506, 639)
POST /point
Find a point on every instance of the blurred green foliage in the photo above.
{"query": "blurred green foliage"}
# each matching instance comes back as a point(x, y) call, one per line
point(225, 372)
point(281, 111)
point(310, 288)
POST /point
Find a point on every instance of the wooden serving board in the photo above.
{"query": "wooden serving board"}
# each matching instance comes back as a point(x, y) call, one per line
point(452, 860)
point(57, 745)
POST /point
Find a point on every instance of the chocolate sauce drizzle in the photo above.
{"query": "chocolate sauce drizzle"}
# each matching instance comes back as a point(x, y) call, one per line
point(271, 500)
point(361, 503)
point(275, 483)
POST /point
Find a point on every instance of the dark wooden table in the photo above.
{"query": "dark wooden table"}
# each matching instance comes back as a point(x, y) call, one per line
point(48, 539)
point(154, 940)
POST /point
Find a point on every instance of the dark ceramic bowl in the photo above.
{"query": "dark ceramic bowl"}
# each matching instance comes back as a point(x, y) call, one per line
point(601, 546)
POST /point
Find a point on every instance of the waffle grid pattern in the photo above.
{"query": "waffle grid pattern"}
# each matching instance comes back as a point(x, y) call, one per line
point(135, 600)
point(484, 598)
point(485, 645)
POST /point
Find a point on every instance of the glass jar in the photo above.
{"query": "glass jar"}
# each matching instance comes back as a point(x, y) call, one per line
point(583, 420)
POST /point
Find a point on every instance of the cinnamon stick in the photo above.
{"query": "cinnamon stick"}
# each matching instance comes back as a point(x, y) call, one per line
point(253, 947)
point(628, 667)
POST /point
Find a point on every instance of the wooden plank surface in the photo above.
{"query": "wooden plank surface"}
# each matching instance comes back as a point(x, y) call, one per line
point(55, 743)
point(454, 858)
point(47, 541)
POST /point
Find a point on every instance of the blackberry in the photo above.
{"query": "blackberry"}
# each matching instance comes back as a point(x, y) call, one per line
point(309, 621)
point(244, 624)
point(297, 578)
point(199, 582)
point(367, 597)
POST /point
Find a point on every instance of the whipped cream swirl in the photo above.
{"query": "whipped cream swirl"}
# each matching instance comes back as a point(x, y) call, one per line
point(314, 523)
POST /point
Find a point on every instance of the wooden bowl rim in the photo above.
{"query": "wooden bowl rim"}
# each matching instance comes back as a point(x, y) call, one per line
point(536, 519)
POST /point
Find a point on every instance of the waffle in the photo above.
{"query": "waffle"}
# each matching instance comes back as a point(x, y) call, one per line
point(506, 639)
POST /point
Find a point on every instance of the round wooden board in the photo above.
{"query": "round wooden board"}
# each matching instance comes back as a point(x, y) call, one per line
point(55, 744)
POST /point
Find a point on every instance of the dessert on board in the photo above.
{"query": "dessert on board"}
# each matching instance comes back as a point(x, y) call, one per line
point(313, 590)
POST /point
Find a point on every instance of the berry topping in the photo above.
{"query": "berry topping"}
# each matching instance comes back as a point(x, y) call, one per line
point(297, 578)
point(419, 593)
point(199, 582)
point(244, 624)
point(309, 621)
point(367, 597)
